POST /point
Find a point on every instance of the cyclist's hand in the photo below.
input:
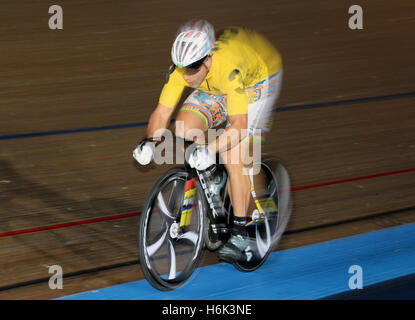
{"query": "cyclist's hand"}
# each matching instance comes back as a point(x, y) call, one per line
point(201, 158)
point(144, 153)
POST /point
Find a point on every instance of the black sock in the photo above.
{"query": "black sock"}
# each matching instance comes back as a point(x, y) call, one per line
point(239, 225)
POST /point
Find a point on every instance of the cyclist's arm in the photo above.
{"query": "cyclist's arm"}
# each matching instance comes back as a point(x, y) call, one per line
point(169, 98)
point(159, 119)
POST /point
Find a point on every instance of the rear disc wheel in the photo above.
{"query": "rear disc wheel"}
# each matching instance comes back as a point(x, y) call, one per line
point(266, 231)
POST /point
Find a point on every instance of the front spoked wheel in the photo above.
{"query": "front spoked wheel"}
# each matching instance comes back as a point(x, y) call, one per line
point(267, 228)
point(171, 231)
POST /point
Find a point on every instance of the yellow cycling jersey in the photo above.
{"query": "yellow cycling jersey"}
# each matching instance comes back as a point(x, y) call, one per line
point(240, 59)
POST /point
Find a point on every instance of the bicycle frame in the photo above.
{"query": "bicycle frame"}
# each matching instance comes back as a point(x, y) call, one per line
point(218, 214)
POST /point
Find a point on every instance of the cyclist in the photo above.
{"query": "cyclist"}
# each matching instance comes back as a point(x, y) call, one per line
point(236, 76)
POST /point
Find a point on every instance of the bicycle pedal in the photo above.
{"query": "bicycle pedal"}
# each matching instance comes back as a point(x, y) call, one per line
point(255, 221)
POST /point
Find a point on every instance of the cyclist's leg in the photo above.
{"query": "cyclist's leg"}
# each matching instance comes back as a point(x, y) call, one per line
point(200, 111)
point(247, 158)
point(238, 184)
point(237, 247)
point(259, 115)
point(262, 99)
point(189, 122)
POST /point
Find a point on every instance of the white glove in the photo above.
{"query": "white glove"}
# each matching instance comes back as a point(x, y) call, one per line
point(201, 158)
point(145, 154)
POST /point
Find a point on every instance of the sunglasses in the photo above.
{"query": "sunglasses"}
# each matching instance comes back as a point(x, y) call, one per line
point(196, 65)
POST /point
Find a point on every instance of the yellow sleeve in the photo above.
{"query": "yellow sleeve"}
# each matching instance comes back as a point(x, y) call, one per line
point(172, 89)
point(237, 101)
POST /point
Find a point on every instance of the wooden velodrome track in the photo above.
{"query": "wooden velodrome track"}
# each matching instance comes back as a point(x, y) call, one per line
point(106, 68)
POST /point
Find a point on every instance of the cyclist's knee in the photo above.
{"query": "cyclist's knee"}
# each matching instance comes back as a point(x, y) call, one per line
point(239, 158)
point(189, 129)
point(233, 163)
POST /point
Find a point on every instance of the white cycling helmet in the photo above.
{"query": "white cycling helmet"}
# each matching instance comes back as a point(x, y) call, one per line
point(194, 41)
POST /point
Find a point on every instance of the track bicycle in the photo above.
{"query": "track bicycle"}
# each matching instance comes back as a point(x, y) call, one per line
point(184, 213)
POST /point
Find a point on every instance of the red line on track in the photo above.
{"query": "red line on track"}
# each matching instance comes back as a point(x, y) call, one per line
point(68, 224)
point(128, 215)
point(351, 179)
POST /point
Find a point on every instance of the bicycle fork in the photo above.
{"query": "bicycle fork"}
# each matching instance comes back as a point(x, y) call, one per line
point(187, 210)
